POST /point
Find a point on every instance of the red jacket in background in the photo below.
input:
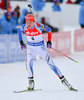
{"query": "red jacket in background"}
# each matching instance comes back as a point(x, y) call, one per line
point(2, 4)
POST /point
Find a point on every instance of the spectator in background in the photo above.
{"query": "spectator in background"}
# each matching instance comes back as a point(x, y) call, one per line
point(54, 29)
point(56, 5)
point(17, 9)
point(14, 16)
point(49, 0)
point(38, 4)
point(7, 24)
point(22, 17)
point(61, 1)
point(2, 18)
point(81, 14)
point(77, 1)
point(14, 20)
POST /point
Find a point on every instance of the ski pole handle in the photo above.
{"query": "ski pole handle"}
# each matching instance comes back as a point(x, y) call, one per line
point(65, 55)
point(30, 6)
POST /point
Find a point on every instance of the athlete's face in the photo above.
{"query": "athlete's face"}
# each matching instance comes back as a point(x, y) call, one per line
point(30, 24)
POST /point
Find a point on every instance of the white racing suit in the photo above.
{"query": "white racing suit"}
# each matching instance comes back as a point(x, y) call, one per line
point(35, 46)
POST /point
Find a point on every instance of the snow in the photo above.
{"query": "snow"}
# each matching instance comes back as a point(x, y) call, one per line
point(13, 76)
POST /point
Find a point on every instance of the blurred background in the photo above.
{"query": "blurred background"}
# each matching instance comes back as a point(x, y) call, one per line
point(61, 15)
point(57, 13)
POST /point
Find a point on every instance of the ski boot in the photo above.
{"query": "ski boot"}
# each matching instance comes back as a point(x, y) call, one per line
point(31, 84)
point(66, 84)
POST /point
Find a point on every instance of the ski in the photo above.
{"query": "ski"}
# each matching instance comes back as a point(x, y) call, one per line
point(27, 90)
point(72, 89)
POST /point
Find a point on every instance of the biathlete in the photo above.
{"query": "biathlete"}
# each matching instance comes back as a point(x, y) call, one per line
point(35, 45)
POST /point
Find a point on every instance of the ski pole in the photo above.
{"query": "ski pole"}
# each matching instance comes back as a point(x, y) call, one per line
point(65, 55)
point(25, 59)
point(30, 6)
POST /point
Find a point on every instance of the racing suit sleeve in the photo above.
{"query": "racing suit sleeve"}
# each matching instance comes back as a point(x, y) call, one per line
point(46, 28)
point(20, 31)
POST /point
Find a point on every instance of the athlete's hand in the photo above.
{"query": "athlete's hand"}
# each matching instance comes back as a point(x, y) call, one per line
point(23, 46)
point(49, 44)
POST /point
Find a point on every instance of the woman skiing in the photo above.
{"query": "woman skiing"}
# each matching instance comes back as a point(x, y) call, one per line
point(35, 45)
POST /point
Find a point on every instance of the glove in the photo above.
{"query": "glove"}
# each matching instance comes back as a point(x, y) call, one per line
point(49, 44)
point(23, 46)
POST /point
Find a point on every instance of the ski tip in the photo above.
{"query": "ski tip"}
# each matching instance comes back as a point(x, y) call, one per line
point(14, 91)
point(26, 70)
point(75, 90)
point(77, 61)
point(72, 89)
